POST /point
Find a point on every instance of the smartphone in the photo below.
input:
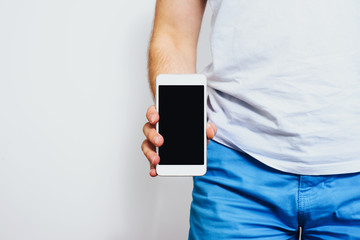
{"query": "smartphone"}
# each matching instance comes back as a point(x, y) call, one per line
point(181, 103)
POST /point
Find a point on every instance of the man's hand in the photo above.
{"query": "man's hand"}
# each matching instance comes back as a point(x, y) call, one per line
point(154, 139)
point(172, 49)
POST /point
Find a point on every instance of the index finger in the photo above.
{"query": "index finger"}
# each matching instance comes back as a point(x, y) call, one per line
point(152, 115)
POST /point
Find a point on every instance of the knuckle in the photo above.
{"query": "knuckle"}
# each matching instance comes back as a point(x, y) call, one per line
point(143, 146)
point(148, 115)
point(146, 152)
point(146, 128)
point(146, 147)
point(152, 134)
point(150, 110)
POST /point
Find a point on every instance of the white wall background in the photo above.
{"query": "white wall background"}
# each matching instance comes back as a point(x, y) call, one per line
point(73, 97)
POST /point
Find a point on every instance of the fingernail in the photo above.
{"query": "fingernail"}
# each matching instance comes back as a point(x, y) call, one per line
point(152, 118)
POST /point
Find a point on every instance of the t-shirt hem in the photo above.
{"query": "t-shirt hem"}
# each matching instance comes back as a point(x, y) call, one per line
point(301, 169)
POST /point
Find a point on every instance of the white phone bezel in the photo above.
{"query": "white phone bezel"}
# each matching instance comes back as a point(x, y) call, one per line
point(184, 80)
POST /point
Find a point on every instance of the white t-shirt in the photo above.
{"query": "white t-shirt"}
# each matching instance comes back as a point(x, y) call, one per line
point(284, 84)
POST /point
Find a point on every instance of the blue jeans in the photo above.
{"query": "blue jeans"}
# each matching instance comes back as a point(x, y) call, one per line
point(241, 198)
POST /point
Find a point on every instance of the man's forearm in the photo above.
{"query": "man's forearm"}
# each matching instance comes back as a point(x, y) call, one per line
point(165, 56)
point(174, 38)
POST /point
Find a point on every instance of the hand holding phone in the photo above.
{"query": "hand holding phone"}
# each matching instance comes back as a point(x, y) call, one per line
point(154, 139)
point(181, 103)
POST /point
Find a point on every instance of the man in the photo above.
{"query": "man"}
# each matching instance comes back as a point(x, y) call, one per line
point(284, 93)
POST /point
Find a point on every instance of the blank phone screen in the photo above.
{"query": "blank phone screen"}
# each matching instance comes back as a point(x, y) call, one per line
point(181, 110)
